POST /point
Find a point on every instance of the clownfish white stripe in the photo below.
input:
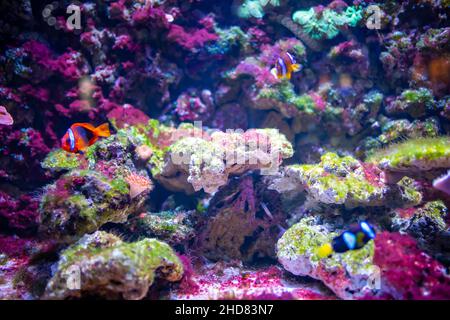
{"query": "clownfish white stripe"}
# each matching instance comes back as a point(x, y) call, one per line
point(350, 240)
point(71, 139)
point(291, 57)
point(283, 66)
point(367, 230)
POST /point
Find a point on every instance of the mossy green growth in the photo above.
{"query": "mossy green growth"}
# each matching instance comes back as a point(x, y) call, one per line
point(339, 180)
point(421, 95)
point(229, 38)
point(111, 268)
point(436, 210)
point(120, 185)
point(420, 153)
point(61, 160)
point(84, 207)
point(82, 201)
point(306, 237)
point(410, 191)
point(284, 93)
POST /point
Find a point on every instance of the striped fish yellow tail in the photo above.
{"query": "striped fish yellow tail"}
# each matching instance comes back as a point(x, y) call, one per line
point(325, 250)
point(103, 130)
point(295, 67)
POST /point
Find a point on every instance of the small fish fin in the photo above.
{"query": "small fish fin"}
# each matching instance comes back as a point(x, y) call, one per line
point(103, 130)
point(295, 67)
point(325, 250)
point(87, 126)
point(274, 72)
point(288, 75)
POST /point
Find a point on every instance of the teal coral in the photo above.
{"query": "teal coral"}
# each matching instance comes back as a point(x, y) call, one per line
point(255, 8)
point(328, 23)
point(110, 268)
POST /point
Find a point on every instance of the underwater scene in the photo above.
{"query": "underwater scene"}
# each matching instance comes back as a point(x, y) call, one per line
point(217, 150)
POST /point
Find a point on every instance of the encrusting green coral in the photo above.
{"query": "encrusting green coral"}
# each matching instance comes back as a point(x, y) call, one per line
point(347, 181)
point(416, 103)
point(284, 93)
point(102, 265)
point(195, 163)
point(82, 201)
point(297, 251)
point(327, 23)
point(175, 226)
point(420, 154)
point(59, 159)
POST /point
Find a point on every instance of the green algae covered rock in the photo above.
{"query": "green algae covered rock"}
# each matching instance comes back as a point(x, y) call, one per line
point(426, 224)
point(59, 159)
point(82, 201)
point(422, 154)
point(195, 163)
point(102, 265)
point(349, 275)
point(416, 103)
point(335, 180)
point(346, 181)
point(176, 227)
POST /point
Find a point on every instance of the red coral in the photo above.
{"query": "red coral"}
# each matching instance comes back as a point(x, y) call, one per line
point(127, 115)
point(406, 271)
point(372, 174)
point(191, 40)
point(21, 153)
point(21, 214)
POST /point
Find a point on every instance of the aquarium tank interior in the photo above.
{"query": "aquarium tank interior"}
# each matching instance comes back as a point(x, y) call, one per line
point(217, 150)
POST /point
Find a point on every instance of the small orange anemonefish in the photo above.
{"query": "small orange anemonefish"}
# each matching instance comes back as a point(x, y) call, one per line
point(285, 66)
point(82, 135)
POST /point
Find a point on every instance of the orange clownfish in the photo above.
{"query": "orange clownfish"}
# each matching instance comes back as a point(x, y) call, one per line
point(82, 135)
point(285, 66)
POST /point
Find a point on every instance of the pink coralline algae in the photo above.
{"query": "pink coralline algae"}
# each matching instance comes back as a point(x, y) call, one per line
point(190, 40)
point(225, 281)
point(21, 153)
point(127, 115)
point(21, 214)
point(194, 105)
point(407, 272)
